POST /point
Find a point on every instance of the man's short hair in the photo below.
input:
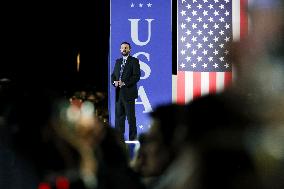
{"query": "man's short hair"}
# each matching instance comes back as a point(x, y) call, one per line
point(124, 42)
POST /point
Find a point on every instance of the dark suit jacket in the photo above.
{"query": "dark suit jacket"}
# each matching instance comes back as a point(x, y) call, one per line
point(130, 76)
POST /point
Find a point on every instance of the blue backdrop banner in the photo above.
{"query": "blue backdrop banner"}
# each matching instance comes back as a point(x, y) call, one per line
point(146, 25)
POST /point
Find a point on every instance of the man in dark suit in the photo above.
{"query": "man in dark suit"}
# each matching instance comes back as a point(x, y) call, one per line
point(125, 76)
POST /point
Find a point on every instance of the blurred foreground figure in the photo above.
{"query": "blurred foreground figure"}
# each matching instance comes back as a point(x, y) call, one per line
point(259, 87)
point(161, 145)
point(217, 137)
point(259, 58)
point(199, 146)
point(48, 142)
point(104, 159)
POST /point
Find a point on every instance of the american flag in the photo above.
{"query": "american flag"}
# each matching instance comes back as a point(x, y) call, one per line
point(205, 30)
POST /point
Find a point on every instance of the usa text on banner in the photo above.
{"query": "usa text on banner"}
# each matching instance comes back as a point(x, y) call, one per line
point(147, 26)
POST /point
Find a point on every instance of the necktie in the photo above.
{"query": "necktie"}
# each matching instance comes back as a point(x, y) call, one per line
point(121, 68)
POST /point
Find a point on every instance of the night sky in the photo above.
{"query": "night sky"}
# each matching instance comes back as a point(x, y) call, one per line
point(39, 44)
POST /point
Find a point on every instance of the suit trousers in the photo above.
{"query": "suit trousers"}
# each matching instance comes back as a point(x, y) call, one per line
point(125, 108)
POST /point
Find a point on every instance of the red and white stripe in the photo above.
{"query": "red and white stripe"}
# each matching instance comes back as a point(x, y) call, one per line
point(192, 85)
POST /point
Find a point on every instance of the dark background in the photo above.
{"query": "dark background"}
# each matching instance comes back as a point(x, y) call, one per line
point(40, 42)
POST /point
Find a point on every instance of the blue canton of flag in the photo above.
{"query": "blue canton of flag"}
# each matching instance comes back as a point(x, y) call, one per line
point(205, 29)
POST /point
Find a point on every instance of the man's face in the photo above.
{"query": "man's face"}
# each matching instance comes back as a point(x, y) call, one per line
point(124, 49)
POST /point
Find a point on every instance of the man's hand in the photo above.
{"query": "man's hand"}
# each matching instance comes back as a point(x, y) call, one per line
point(116, 83)
point(121, 83)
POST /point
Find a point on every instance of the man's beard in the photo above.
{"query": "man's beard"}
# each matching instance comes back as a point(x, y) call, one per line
point(125, 53)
